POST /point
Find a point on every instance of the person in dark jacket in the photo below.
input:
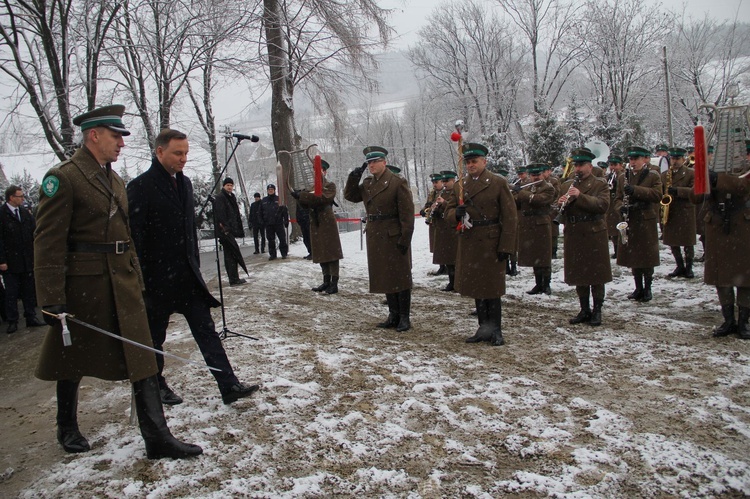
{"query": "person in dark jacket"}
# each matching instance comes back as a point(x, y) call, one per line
point(275, 218)
point(229, 222)
point(162, 221)
point(256, 223)
point(17, 227)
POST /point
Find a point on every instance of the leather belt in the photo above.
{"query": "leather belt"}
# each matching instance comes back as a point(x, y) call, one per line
point(488, 221)
point(574, 219)
point(534, 213)
point(374, 218)
point(117, 247)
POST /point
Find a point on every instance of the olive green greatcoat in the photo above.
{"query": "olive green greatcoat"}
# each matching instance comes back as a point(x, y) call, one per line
point(534, 231)
point(103, 289)
point(324, 230)
point(726, 262)
point(480, 273)
point(642, 250)
point(446, 237)
point(680, 227)
point(389, 269)
point(585, 243)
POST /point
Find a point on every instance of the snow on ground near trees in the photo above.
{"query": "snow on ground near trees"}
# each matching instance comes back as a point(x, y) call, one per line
point(648, 404)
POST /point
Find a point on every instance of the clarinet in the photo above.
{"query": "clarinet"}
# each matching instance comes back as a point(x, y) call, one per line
point(559, 218)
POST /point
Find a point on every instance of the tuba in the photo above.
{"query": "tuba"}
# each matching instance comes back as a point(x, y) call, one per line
point(598, 148)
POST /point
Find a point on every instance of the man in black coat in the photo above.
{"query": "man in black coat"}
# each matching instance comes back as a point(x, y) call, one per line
point(17, 227)
point(275, 218)
point(162, 221)
point(256, 223)
point(229, 222)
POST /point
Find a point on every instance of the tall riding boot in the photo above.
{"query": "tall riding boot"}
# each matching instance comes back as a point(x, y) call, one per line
point(159, 440)
point(324, 286)
point(596, 314)
point(67, 420)
point(546, 283)
point(393, 318)
point(585, 314)
point(637, 294)
point(334, 286)
point(742, 328)
point(404, 309)
point(689, 268)
point(647, 280)
point(451, 279)
point(539, 286)
point(513, 268)
point(679, 271)
point(729, 326)
point(484, 333)
point(494, 317)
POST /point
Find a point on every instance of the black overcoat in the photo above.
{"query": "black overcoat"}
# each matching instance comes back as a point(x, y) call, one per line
point(162, 223)
point(17, 240)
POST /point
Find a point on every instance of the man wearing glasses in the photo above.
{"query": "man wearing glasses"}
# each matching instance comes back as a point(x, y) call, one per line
point(17, 227)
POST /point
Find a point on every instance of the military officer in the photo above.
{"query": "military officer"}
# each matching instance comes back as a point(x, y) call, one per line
point(390, 226)
point(613, 217)
point(446, 238)
point(638, 194)
point(437, 190)
point(488, 238)
point(727, 228)
point(586, 256)
point(85, 264)
point(679, 229)
point(324, 232)
point(523, 178)
point(534, 233)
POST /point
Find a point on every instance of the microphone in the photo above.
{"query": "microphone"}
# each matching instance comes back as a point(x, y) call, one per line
point(251, 138)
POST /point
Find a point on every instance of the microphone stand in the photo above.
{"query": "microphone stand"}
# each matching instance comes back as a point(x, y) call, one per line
point(225, 331)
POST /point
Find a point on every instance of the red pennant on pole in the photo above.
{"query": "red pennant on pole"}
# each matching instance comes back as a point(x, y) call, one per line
point(318, 171)
point(701, 185)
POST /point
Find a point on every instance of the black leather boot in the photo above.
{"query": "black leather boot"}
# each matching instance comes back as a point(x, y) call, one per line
point(585, 314)
point(680, 270)
point(596, 314)
point(637, 294)
point(484, 333)
point(404, 309)
point(647, 296)
point(742, 329)
point(451, 280)
point(689, 268)
point(729, 326)
point(159, 440)
point(334, 286)
point(546, 284)
point(495, 316)
point(393, 318)
point(539, 287)
point(324, 286)
point(67, 420)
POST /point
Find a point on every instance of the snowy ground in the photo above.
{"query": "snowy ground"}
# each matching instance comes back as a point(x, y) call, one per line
point(647, 405)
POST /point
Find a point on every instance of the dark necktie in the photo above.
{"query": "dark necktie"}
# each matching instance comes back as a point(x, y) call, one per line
point(18, 215)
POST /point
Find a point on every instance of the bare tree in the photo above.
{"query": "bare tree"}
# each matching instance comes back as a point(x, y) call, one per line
point(42, 44)
point(547, 24)
point(708, 57)
point(622, 42)
point(472, 63)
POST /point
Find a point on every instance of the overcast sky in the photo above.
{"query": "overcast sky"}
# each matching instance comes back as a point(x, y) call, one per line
point(410, 15)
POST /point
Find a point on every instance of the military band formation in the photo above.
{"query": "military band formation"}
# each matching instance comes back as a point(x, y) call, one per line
point(89, 264)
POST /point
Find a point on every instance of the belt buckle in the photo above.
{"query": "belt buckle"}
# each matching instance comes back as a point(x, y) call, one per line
point(120, 247)
point(572, 219)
